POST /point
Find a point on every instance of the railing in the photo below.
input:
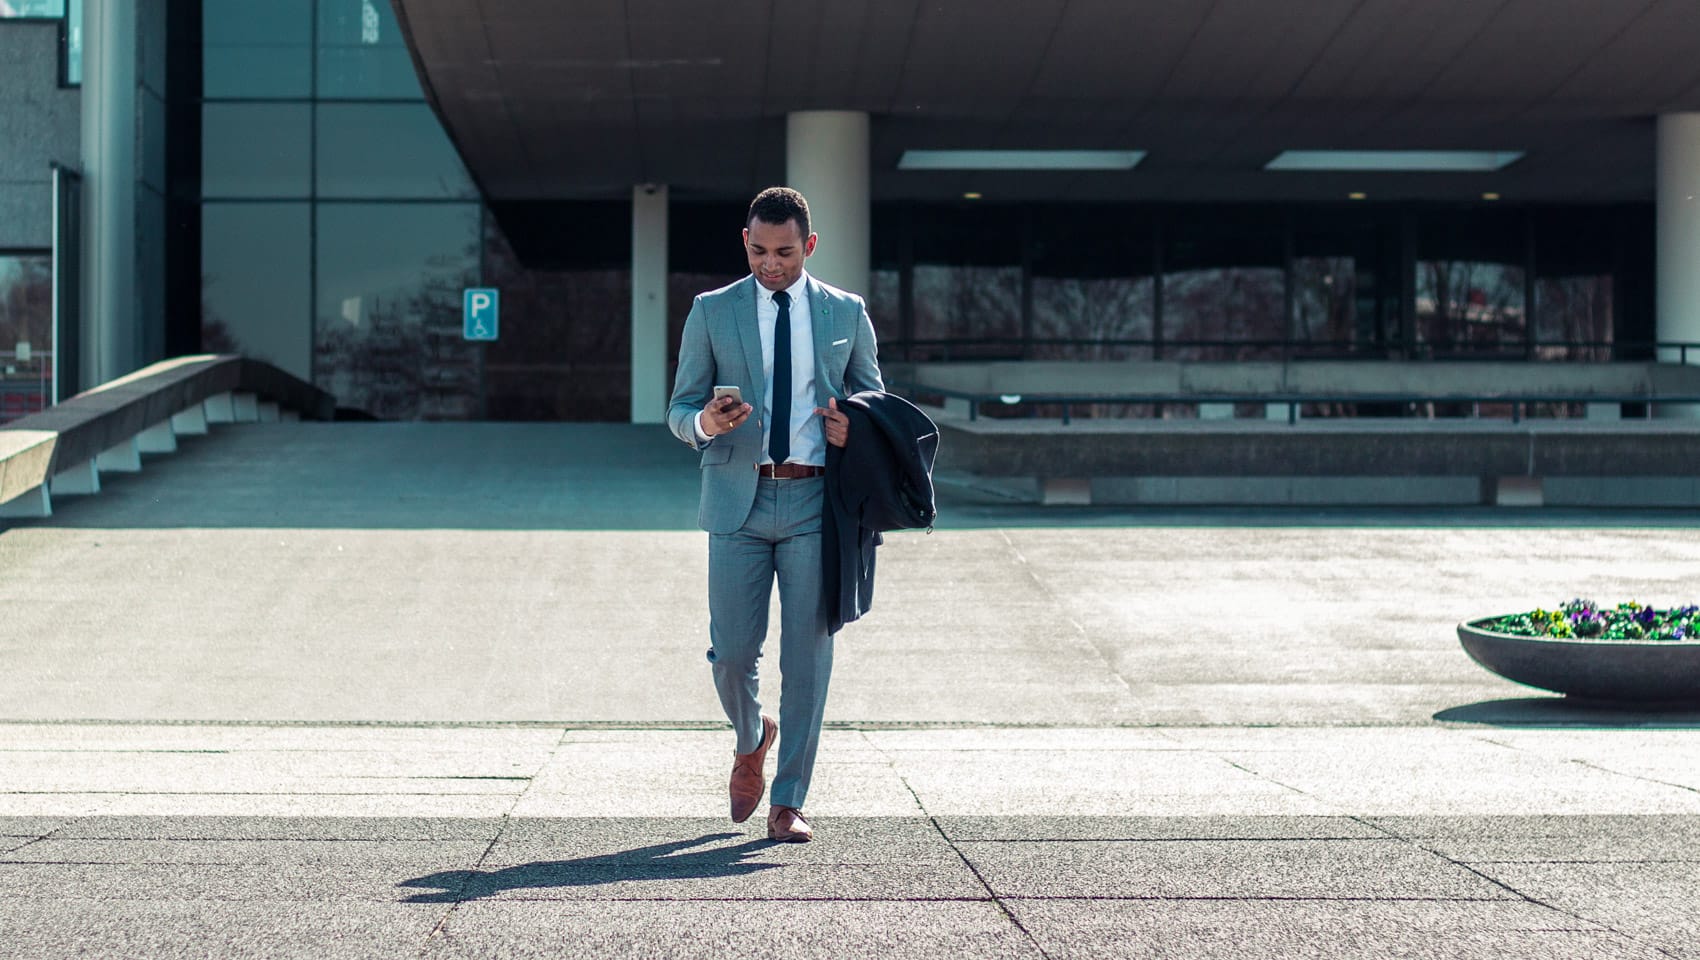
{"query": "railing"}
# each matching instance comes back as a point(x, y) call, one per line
point(1017, 348)
point(1292, 401)
point(64, 449)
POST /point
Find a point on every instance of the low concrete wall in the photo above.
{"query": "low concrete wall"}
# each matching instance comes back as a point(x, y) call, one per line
point(110, 426)
point(1436, 378)
point(1644, 463)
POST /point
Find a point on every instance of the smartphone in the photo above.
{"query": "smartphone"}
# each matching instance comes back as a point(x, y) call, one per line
point(736, 394)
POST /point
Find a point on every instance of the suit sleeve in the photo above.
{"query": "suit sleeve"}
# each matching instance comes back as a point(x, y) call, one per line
point(695, 379)
point(863, 370)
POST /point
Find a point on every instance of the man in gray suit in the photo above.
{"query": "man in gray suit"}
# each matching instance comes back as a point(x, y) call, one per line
point(794, 347)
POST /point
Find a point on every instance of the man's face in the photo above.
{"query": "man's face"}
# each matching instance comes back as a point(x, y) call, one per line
point(776, 252)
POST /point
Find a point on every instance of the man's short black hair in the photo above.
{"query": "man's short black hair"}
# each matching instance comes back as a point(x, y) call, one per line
point(776, 205)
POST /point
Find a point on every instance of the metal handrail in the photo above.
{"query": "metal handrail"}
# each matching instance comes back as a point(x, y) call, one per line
point(1292, 400)
point(1369, 352)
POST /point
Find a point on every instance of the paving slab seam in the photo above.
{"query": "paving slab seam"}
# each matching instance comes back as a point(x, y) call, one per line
point(242, 793)
point(1462, 865)
point(1059, 841)
point(1634, 776)
point(1057, 602)
point(969, 864)
point(489, 848)
point(1524, 896)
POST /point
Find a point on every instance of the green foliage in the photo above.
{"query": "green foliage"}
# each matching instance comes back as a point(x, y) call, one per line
point(1583, 619)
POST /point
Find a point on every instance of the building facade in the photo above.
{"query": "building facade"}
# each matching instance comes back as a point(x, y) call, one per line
point(315, 182)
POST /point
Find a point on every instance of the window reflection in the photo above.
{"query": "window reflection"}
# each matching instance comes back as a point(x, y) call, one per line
point(255, 271)
point(257, 48)
point(256, 150)
point(1224, 285)
point(1096, 310)
point(966, 282)
point(1573, 318)
point(362, 54)
point(885, 305)
point(388, 317)
point(565, 351)
point(1325, 299)
point(1465, 306)
point(387, 150)
point(26, 334)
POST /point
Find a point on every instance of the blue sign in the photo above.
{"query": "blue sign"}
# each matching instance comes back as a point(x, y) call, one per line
point(480, 313)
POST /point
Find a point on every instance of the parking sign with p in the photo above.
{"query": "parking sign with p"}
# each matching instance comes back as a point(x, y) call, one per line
point(480, 313)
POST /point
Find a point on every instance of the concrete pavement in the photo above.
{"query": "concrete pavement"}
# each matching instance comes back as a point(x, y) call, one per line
point(422, 690)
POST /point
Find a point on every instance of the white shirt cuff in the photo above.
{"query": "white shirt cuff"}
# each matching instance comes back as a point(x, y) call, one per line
point(701, 437)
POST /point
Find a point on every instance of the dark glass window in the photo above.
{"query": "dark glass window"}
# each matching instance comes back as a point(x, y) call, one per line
point(26, 334)
point(966, 281)
point(376, 150)
point(1092, 284)
point(255, 272)
point(1574, 290)
point(256, 150)
point(388, 317)
point(1343, 289)
point(362, 54)
point(565, 352)
point(257, 48)
point(1470, 285)
point(1224, 288)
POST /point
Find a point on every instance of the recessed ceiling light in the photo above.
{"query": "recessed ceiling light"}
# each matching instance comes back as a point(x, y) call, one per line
point(1356, 195)
point(1020, 159)
point(1410, 161)
point(1490, 196)
point(971, 195)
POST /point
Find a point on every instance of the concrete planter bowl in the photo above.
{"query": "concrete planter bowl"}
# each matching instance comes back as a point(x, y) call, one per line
point(1624, 671)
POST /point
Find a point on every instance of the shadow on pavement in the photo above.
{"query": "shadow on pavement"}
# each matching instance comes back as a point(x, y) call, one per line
point(1570, 712)
point(661, 861)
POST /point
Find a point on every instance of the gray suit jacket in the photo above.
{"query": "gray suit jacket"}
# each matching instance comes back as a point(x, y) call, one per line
point(722, 345)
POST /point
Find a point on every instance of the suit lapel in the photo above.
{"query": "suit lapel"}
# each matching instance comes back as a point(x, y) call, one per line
point(820, 324)
point(749, 331)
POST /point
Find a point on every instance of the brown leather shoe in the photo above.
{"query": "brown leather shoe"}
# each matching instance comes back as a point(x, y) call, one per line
point(786, 825)
point(747, 780)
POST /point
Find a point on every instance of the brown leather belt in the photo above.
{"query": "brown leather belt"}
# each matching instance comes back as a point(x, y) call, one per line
point(790, 471)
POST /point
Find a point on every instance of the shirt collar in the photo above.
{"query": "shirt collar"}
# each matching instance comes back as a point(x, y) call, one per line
point(797, 290)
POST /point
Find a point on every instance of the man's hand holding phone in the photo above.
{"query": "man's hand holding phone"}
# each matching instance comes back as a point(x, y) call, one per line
point(727, 411)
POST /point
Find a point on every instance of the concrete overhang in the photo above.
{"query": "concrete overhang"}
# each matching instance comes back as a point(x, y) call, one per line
point(547, 100)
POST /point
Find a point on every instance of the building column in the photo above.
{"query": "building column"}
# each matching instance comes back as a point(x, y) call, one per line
point(109, 183)
point(649, 303)
point(826, 158)
point(1677, 199)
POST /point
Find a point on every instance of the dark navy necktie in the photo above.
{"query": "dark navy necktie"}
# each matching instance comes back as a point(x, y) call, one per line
point(779, 430)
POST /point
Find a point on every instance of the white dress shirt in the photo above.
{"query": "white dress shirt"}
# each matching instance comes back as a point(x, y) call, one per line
point(808, 437)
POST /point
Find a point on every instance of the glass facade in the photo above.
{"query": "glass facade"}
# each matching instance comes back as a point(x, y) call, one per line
point(339, 227)
point(338, 223)
point(26, 333)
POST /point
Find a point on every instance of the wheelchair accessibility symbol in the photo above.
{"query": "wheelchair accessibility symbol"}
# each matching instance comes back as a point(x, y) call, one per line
point(480, 313)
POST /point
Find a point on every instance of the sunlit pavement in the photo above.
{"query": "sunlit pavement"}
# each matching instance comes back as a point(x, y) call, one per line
point(439, 690)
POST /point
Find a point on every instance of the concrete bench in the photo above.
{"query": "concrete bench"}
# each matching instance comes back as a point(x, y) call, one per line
point(1282, 388)
point(64, 449)
point(1218, 459)
point(1322, 461)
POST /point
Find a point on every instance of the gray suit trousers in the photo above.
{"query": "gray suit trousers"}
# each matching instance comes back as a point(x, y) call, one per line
point(781, 537)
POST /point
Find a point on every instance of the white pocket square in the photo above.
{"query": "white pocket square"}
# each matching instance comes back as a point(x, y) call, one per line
point(840, 343)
